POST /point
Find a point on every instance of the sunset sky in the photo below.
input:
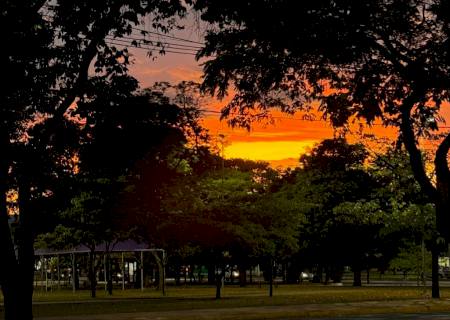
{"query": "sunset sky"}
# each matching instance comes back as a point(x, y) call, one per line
point(280, 143)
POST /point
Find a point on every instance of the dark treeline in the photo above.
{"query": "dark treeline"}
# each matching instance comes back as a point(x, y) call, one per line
point(84, 147)
point(340, 208)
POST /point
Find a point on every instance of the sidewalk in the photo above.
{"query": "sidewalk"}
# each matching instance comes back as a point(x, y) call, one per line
point(280, 312)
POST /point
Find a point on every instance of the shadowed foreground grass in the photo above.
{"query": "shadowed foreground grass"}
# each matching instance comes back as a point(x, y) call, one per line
point(59, 303)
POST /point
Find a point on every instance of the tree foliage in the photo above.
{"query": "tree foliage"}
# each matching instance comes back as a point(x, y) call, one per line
point(371, 60)
point(64, 39)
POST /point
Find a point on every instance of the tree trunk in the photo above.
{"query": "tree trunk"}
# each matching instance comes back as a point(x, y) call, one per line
point(357, 275)
point(435, 271)
point(271, 262)
point(25, 241)
point(137, 273)
point(242, 275)
point(109, 283)
point(9, 275)
point(177, 274)
point(442, 225)
point(92, 276)
point(319, 274)
point(327, 274)
point(76, 277)
point(9, 267)
point(219, 277)
point(211, 274)
point(440, 194)
point(160, 264)
point(157, 275)
point(443, 189)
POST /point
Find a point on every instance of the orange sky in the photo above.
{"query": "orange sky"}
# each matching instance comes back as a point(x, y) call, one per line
point(280, 144)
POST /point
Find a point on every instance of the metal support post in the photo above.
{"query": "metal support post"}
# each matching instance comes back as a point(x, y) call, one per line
point(163, 272)
point(74, 270)
point(142, 270)
point(58, 271)
point(123, 273)
point(104, 272)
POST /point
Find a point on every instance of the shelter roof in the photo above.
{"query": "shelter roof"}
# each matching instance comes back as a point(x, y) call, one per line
point(120, 246)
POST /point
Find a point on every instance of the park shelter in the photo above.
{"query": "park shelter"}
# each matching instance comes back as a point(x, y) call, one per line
point(120, 247)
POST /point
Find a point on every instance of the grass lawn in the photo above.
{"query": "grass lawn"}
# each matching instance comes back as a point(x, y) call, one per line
point(58, 303)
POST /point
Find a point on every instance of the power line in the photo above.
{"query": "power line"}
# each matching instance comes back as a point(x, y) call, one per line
point(52, 8)
point(141, 48)
point(167, 36)
point(147, 48)
point(150, 45)
point(159, 41)
point(132, 43)
point(127, 42)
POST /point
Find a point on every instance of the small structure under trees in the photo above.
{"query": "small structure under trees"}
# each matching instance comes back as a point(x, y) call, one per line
point(122, 247)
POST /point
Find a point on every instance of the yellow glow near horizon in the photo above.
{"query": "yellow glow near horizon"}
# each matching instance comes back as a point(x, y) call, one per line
point(268, 150)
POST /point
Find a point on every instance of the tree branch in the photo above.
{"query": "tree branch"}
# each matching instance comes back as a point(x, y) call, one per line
point(88, 56)
point(96, 36)
point(415, 156)
point(440, 161)
point(390, 52)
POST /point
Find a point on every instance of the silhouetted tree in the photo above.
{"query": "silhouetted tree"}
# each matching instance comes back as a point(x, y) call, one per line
point(331, 175)
point(372, 60)
point(219, 213)
point(45, 81)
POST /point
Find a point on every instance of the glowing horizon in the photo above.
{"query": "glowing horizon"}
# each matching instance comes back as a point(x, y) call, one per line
point(269, 150)
point(280, 144)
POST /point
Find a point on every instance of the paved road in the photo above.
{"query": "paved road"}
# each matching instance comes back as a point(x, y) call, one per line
point(431, 316)
point(397, 283)
point(216, 315)
point(347, 310)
